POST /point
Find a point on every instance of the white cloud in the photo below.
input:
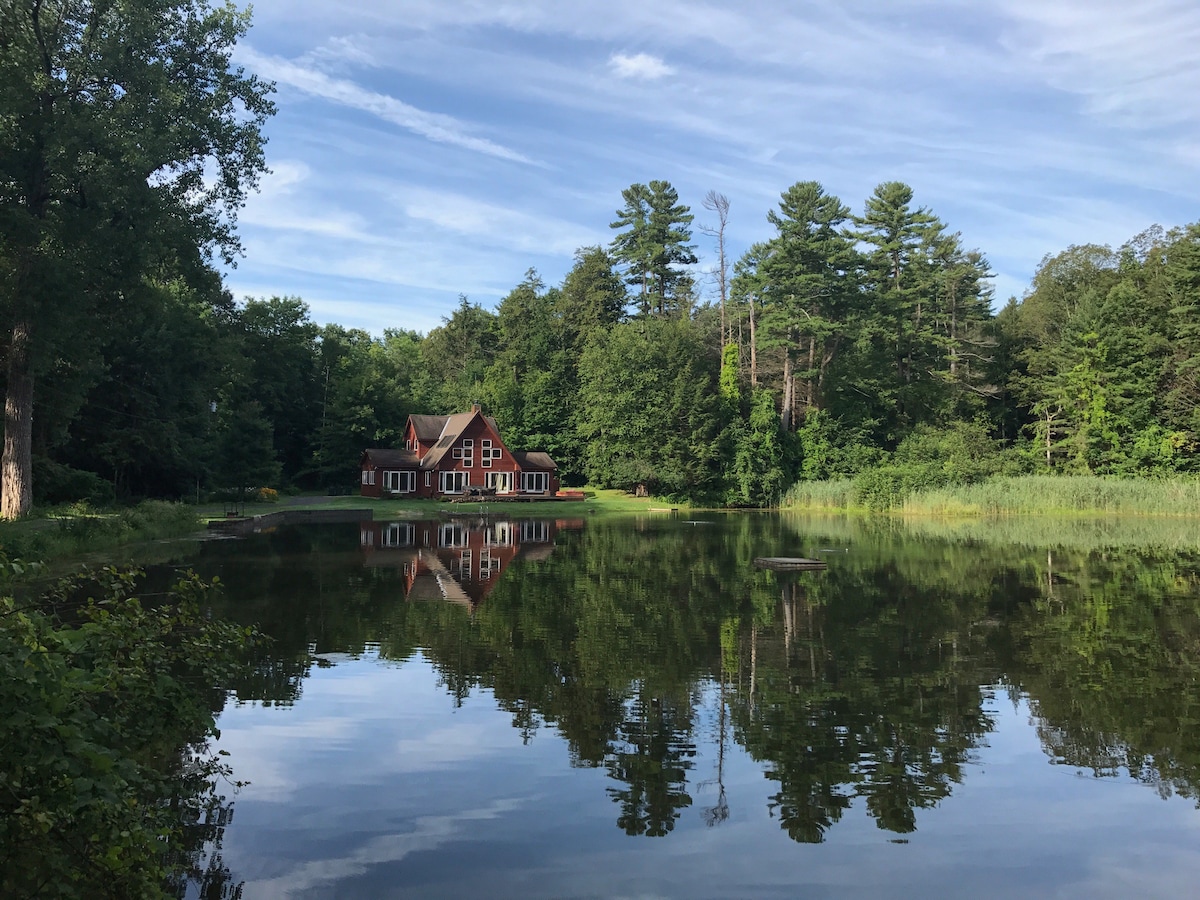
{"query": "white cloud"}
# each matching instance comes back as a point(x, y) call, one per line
point(433, 126)
point(642, 66)
point(1134, 63)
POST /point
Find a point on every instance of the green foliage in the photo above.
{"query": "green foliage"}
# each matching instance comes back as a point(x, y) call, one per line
point(113, 711)
point(128, 141)
point(646, 400)
point(757, 473)
point(57, 483)
point(654, 246)
point(80, 528)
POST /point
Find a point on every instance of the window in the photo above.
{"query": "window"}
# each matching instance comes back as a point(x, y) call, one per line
point(496, 454)
point(408, 445)
point(535, 531)
point(404, 482)
point(535, 482)
point(452, 535)
point(499, 534)
point(368, 476)
point(452, 482)
point(486, 462)
point(366, 538)
point(501, 482)
point(397, 534)
point(428, 479)
point(485, 443)
point(468, 443)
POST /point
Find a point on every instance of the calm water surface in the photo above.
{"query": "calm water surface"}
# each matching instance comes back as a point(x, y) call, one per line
point(628, 708)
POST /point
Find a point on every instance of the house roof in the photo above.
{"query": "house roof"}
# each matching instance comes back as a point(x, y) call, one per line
point(534, 459)
point(428, 428)
point(397, 458)
point(452, 427)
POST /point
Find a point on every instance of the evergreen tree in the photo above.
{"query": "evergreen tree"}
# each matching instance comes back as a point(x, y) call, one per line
point(654, 245)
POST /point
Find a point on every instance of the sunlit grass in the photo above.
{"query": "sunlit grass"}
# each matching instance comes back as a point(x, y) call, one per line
point(828, 495)
point(1022, 495)
point(1051, 495)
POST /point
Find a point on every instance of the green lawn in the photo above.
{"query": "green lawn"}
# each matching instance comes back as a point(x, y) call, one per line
point(597, 501)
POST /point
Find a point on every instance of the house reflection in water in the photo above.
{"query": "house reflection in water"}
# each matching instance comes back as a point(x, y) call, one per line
point(457, 559)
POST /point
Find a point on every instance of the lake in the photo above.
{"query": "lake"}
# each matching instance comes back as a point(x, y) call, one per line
point(628, 707)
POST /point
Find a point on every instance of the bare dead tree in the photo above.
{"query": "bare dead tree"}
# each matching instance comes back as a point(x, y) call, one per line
point(719, 204)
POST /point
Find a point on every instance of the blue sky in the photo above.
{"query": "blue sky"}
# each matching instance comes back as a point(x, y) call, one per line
point(429, 148)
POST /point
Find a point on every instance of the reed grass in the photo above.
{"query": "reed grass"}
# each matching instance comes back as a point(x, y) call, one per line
point(1060, 495)
point(839, 494)
point(1018, 495)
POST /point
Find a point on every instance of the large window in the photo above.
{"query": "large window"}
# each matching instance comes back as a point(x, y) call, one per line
point(404, 482)
point(535, 531)
point(398, 534)
point(535, 482)
point(452, 534)
point(500, 482)
point(453, 482)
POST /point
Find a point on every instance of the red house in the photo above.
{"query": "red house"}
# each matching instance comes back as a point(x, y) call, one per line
point(446, 456)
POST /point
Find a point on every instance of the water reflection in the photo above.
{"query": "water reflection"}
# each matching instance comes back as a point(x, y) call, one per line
point(657, 652)
point(460, 559)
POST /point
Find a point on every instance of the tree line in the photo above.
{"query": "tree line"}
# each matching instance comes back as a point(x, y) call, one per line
point(844, 343)
point(847, 342)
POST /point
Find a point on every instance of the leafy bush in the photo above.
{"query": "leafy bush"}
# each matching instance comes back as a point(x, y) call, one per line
point(113, 711)
point(56, 483)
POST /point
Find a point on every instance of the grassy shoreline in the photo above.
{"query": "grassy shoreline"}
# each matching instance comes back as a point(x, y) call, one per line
point(598, 501)
point(1019, 495)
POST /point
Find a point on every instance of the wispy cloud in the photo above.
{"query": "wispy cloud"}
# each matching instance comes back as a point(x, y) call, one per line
point(433, 126)
point(641, 66)
point(1132, 62)
point(496, 225)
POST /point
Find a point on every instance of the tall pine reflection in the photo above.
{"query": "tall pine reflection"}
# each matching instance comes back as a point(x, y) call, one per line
point(652, 645)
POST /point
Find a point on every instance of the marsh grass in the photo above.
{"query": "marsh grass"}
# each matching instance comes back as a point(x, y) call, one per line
point(1019, 495)
point(1057, 495)
point(839, 494)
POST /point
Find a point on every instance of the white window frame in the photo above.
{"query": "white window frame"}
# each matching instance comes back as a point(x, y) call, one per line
point(368, 476)
point(530, 478)
point(499, 534)
point(459, 480)
point(535, 531)
point(493, 480)
point(397, 534)
point(394, 478)
point(428, 479)
point(452, 534)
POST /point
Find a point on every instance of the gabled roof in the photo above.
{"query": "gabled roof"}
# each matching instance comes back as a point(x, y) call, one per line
point(428, 428)
point(534, 459)
point(452, 428)
point(392, 458)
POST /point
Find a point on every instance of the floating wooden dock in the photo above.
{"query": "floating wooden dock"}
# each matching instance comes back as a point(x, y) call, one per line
point(788, 563)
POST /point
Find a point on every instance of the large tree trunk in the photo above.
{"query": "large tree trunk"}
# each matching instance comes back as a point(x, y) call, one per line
point(16, 464)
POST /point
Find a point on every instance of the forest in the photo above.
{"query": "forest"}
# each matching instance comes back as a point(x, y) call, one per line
point(848, 344)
